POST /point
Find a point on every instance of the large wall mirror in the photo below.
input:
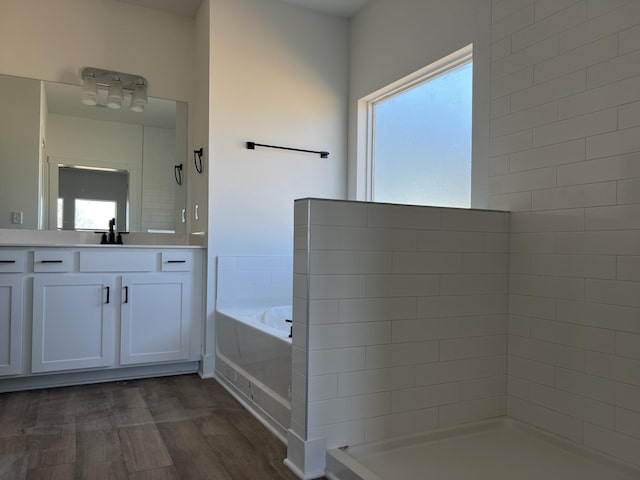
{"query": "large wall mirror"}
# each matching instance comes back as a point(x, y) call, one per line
point(66, 165)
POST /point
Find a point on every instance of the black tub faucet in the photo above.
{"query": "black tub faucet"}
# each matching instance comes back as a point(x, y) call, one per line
point(291, 329)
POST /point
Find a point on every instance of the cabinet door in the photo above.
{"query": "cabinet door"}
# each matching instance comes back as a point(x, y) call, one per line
point(73, 322)
point(11, 319)
point(155, 318)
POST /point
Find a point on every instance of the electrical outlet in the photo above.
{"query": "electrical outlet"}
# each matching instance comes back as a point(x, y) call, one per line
point(16, 218)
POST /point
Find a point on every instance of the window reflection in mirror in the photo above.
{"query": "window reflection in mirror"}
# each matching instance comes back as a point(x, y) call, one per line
point(91, 198)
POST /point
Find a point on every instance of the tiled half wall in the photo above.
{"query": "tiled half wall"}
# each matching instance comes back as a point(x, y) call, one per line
point(400, 319)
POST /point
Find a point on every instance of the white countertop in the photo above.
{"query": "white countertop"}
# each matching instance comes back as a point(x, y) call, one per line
point(72, 239)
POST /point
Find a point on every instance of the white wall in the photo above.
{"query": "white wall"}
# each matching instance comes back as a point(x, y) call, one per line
point(43, 187)
point(279, 76)
point(198, 184)
point(391, 39)
point(158, 183)
point(19, 150)
point(275, 73)
point(565, 156)
point(54, 40)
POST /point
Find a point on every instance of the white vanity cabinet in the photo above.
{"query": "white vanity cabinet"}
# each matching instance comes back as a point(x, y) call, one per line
point(12, 264)
point(73, 322)
point(92, 313)
point(155, 318)
point(11, 324)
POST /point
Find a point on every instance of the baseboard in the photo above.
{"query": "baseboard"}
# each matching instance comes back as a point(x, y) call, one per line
point(33, 382)
point(252, 408)
point(306, 458)
point(208, 366)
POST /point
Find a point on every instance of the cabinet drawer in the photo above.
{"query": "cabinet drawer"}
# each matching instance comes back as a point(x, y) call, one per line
point(12, 261)
point(177, 261)
point(105, 261)
point(52, 261)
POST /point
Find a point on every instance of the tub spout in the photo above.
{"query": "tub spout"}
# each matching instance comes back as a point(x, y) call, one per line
point(291, 329)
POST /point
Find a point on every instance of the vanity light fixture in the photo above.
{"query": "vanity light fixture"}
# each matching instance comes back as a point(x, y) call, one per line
point(119, 86)
point(89, 90)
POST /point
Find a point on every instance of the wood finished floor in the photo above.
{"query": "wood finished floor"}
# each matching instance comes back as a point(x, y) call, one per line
point(169, 428)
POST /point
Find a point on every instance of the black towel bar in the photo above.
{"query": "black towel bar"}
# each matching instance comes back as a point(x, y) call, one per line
point(253, 145)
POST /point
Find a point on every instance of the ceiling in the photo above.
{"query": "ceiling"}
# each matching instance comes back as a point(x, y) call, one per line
point(344, 8)
point(189, 8)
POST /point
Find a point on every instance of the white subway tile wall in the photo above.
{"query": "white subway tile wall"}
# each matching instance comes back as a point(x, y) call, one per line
point(254, 281)
point(565, 142)
point(407, 315)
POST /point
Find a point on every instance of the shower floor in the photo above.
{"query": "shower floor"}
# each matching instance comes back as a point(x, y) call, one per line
point(501, 449)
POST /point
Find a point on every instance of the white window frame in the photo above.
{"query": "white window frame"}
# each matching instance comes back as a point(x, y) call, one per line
point(366, 120)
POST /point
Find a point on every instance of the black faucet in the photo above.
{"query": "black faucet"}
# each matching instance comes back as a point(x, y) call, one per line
point(111, 239)
point(112, 233)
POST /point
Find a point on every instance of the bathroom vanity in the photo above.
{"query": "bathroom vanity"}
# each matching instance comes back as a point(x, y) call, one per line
point(75, 314)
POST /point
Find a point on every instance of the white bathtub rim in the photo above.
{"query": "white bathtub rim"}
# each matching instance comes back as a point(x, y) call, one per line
point(247, 317)
point(348, 456)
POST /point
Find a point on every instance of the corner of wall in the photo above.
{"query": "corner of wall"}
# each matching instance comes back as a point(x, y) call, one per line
point(305, 458)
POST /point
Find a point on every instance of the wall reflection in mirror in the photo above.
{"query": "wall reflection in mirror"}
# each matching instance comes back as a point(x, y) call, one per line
point(67, 165)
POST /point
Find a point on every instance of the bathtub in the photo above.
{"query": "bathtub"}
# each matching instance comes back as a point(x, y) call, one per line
point(253, 351)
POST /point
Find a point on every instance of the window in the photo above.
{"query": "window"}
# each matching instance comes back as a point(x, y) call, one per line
point(60, 213)
point(90, 197)
point(93, 214)
point(420, 133)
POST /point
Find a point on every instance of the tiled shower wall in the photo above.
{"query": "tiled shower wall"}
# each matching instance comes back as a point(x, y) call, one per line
point(406, 312)
point(253, 281)
point(565, 146)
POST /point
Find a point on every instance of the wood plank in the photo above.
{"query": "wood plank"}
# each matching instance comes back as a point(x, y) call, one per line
point(51, 445)
point(20, 408)
point(125, 395)
point(165, 473)
point(13, 466)
point(54, 472)
point(143, 448)
point(91, 401)
point(99, 455)
point(191, 455)
point(13, 457)
point(58, 408)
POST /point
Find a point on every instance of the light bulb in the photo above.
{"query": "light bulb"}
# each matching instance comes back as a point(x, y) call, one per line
point(90, 90)
point(139, 98)
point(114, 99)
